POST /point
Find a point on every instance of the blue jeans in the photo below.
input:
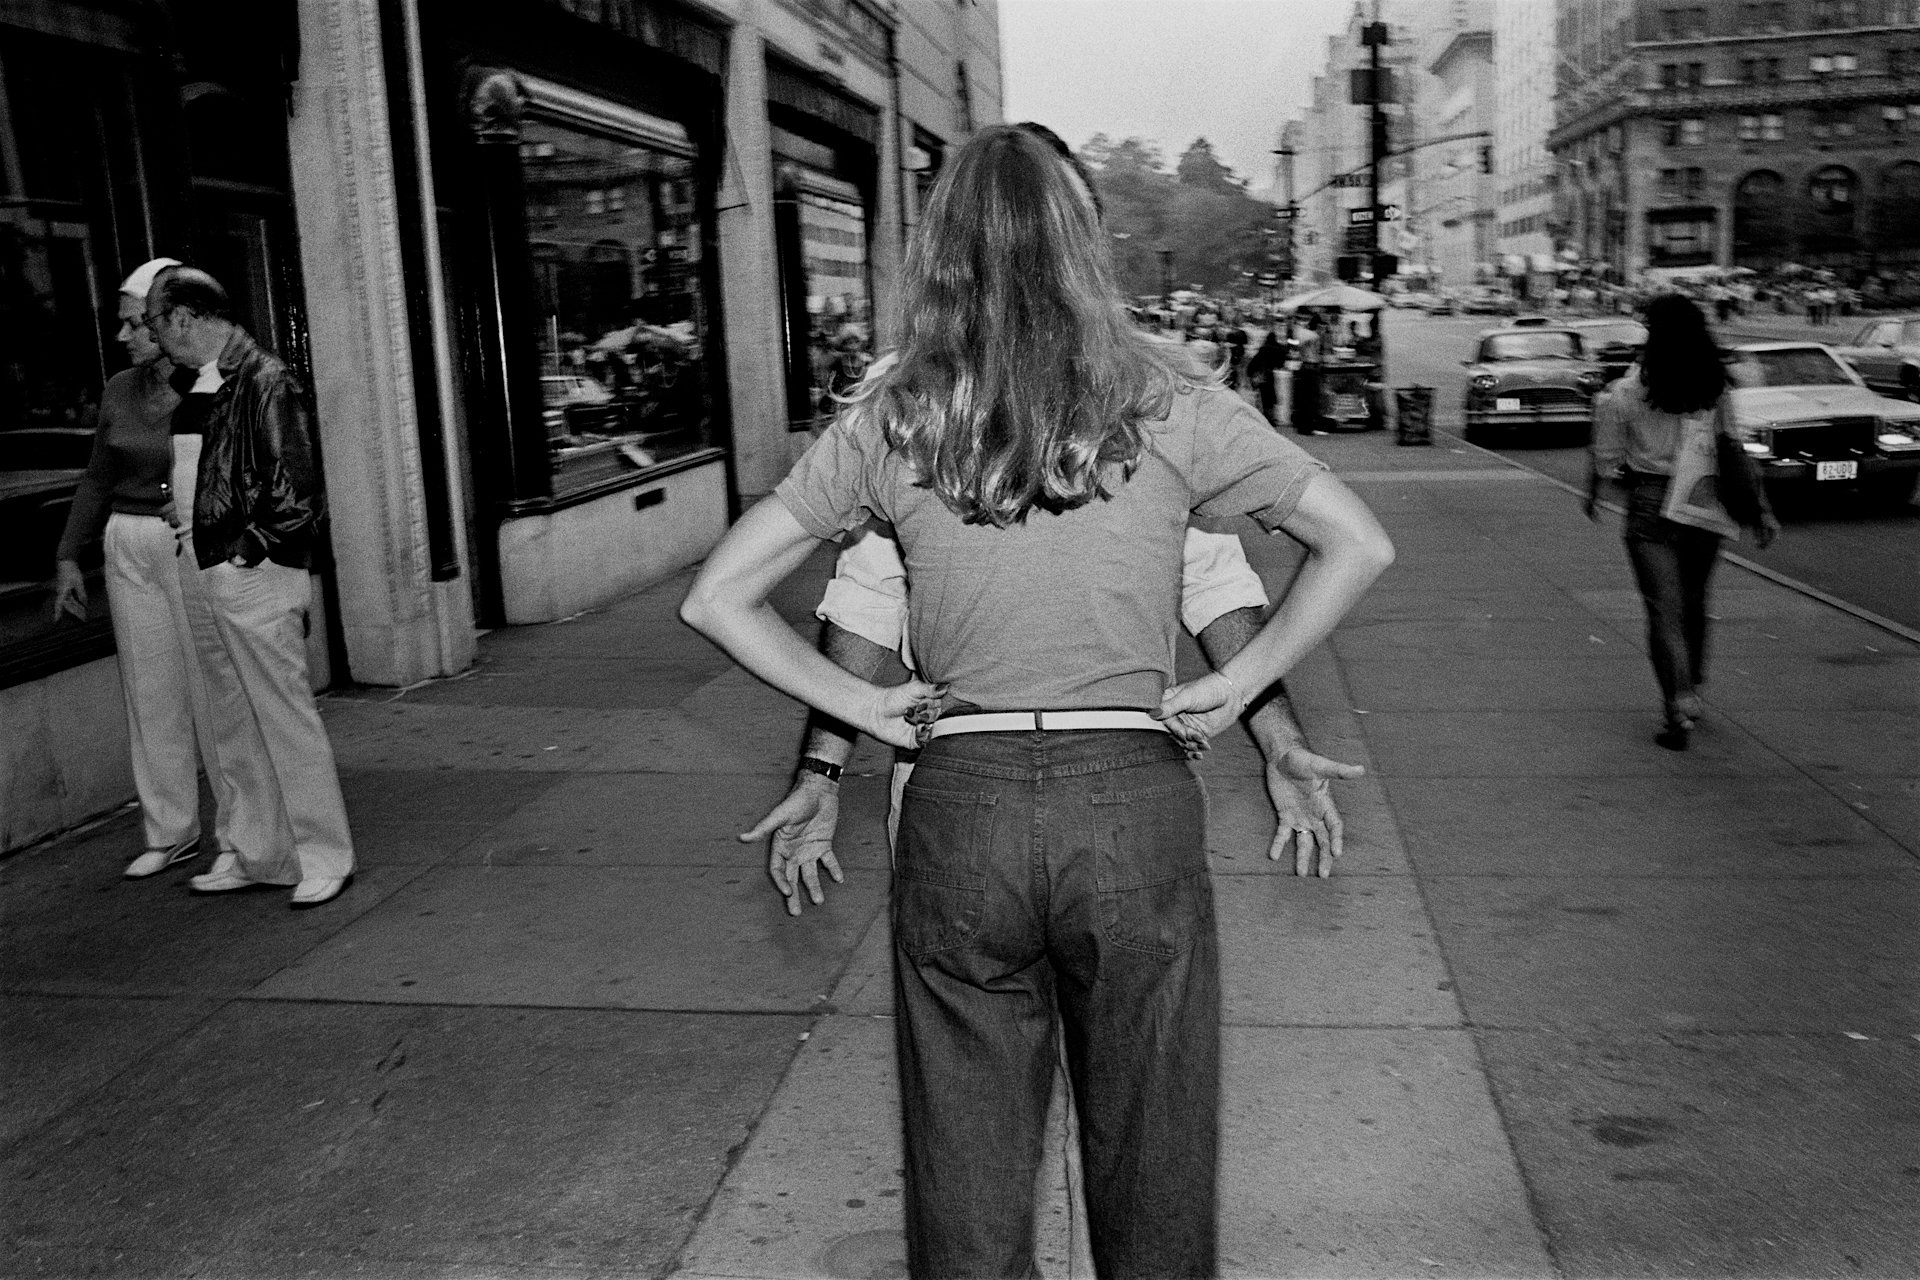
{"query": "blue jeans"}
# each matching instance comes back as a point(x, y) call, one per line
point(1047, 880)
point(1672, 563)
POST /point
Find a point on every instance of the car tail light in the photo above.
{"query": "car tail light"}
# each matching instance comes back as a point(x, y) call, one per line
point(1757, 441)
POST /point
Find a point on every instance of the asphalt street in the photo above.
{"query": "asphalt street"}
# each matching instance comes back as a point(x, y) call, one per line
point(1864, 554)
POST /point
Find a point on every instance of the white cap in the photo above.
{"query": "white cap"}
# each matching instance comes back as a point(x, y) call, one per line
point(140, 283)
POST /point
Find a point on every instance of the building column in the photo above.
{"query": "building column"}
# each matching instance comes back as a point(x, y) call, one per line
point(400, 625)
point(749, 269)
point(887, 253)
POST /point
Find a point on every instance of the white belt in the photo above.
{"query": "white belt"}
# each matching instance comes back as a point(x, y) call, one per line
point(1029, 721)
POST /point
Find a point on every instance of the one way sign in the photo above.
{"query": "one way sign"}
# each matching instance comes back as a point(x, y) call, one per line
point(1362, 216)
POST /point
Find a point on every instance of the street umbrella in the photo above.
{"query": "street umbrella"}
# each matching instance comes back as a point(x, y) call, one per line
point(1342, 296)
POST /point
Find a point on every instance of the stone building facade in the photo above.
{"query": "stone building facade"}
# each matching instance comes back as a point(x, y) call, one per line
point(1455, 219)
point(1524, 50)
point(1729, 133)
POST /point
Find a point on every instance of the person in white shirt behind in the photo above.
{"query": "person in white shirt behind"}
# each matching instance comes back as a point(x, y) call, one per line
point(865, 612)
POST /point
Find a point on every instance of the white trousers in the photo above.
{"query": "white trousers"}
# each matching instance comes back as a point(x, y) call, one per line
point(185, 708)
point(261, 614)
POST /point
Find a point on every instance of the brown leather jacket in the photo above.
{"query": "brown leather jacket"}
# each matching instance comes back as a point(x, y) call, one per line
point(260, 493)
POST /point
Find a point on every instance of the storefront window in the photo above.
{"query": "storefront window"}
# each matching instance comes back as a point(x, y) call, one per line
point(834, 233)
point(822, 235)
point(622, 325)
point(65, 131)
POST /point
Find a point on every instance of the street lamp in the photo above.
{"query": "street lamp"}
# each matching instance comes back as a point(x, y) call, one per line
point(1166, 273)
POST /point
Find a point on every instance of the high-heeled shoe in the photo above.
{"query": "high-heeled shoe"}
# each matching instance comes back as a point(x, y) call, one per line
point(1676, 735)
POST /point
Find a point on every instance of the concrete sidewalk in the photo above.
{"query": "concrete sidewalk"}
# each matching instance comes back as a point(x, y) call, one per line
point(1571, 1006)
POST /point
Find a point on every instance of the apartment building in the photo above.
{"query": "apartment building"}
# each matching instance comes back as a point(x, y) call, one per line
point(1740, 133)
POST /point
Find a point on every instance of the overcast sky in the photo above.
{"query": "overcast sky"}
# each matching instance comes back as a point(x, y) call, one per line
point(1231, 71)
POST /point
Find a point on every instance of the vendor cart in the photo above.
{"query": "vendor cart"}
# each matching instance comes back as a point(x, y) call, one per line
point(1339, 358)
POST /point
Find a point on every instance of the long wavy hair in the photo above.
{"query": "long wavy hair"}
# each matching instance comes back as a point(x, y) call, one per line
point(1680, 368)
point(1020, 382)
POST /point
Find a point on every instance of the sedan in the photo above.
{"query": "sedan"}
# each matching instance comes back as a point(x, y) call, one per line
point(1613, 343)
point(1489, 302)
point(1887, 354)
point(1535, 378)
point(1804, 416)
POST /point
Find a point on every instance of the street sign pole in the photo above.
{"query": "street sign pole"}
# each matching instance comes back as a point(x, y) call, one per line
point(1375, 36)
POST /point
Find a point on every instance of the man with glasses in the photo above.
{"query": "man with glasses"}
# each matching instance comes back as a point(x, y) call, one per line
point(257, 510)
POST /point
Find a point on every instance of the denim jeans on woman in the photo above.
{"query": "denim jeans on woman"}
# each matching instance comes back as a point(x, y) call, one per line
point(1042, 879)
point(1672, 563)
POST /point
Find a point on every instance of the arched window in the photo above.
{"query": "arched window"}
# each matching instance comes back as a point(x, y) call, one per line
point(1762, 235)
point(1897, 206)
point(1827, 236)
point(1832, 191)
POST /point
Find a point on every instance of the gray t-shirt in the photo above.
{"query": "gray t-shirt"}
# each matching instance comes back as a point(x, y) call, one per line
point(1077, 610)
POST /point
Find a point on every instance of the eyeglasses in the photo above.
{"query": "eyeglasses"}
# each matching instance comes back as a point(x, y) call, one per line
point(152, 323)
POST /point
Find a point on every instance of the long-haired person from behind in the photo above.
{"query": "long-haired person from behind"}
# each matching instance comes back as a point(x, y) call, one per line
point(1039, 458)
point(1674, 398)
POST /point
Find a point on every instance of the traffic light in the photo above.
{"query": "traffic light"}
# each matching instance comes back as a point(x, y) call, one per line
point(1347, 266)
point(1486, 159)
point(1385, 266)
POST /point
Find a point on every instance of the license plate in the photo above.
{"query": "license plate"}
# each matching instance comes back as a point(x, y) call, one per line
point(1507, 404)
point(1836, 470)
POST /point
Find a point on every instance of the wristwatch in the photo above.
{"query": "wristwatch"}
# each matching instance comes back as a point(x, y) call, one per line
point(825, 768)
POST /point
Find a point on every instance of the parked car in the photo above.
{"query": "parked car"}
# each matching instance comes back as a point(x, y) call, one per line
point(1612, 343)
point(1886, 352)
point(1489, 302)
point(1530, 378)
point(1441, 304)
point(1805, 416)
point(572, 403)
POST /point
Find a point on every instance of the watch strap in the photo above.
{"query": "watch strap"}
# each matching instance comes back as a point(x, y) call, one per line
point(825, 768)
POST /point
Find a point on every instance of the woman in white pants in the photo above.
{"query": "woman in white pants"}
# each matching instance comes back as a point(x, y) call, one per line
point(184, 704)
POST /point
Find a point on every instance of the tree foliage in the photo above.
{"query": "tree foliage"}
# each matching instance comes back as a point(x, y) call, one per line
point(1200, 211)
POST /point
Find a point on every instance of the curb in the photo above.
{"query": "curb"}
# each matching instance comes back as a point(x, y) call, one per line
point(1888, 625)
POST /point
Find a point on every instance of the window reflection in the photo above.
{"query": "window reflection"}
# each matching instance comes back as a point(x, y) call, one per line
point(64, 125)
point(615, 242)
point(833, 234)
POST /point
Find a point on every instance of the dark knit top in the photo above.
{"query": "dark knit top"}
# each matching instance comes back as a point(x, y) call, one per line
point(132, 462)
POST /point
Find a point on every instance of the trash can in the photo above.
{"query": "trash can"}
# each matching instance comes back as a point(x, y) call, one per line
point(1413, 415)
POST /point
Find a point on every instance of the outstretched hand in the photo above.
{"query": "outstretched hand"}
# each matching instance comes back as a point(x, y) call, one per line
point(1198, 709)
point(802, 827)
point(1304, 812)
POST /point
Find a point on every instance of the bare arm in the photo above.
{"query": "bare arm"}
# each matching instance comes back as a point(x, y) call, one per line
point(728, 604)
point(1298, 781)
point(1346, 550)
point(827, 738)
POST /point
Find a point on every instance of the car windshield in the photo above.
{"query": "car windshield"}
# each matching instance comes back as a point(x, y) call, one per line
point(1789, 367)
point(1626, 334)
point(1530, 346)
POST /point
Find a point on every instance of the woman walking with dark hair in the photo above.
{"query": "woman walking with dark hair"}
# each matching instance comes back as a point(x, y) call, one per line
point(1675, 398)
point(1039, 458)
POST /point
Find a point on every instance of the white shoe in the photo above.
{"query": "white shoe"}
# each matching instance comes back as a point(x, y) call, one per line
point(317, 890)
point(154, 861)
point(224, 876)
